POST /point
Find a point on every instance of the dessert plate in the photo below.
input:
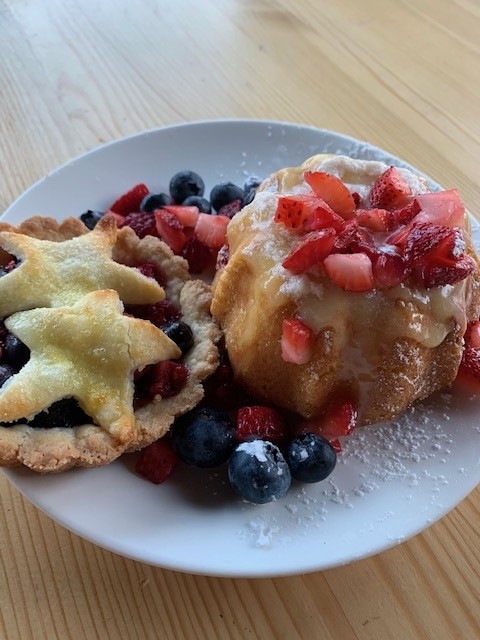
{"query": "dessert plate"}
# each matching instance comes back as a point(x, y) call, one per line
point(391, 482)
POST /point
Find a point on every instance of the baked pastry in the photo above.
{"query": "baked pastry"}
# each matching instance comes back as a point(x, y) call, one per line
point(347, 279)
point(95, 382)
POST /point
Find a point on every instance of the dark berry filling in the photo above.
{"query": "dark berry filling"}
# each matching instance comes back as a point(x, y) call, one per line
point(10, 265)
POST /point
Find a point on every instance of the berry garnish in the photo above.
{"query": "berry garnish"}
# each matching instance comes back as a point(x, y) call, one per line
point(441, 207)
point(62, 414)
point(261, 422)
point(170, 229)
point(198, 256)
point(185, 184)
point(154, 201)
point(311, 458)
point(181, 334)
point(187, 215)
point(15, 352)
point(340, 419)
point(203, 437)
point(390, 190)
point(224, 193)
point(231, 208)
point(297, 341)
point(310, 250)
point(165, 378)
point(157, 461)
point(9, 266)
point(249, 197)
point(6, 372)
point(142, 223)
point(202, 204)
point(389, 269)
point(211, 230)
point(160, 313)
point(323, 217)
point(90, 218)
point(350, 271)
point(151, 270)
point(258, 472)
point(332, 190)
point(130, 201)
point(252, 182)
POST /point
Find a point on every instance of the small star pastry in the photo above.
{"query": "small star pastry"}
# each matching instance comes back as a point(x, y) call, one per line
point(52, 273)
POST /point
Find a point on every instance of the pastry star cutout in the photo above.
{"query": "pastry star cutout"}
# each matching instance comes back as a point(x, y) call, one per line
point(52, 274)
point(88, 351)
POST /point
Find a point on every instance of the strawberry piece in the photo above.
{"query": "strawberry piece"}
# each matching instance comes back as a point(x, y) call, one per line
point(470, 363)
point(198, 256)
point(130, 201)
point(311, 250)
point(157, 462)
point(406, 214)
point(389, 269)
point(230, 209)
point(424, 238)
point(376, 219)
point(142, 223)
point(442, 274)
point(390, 190)
point(332, 190)
point(167, 379)
point(211, 230)
point(442, 207)
point(340, 419)
point(297, 341)
point(171, 230)
point(335, 442)
point(323, 217)
point(265, 423)
point(350, 271)
point(187, 215)
point(472, 335)
point(353, 239)
point(290, 212)
point(118, 218)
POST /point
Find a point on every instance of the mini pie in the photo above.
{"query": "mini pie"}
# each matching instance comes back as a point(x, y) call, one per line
point(387, 345)
point(65, 302)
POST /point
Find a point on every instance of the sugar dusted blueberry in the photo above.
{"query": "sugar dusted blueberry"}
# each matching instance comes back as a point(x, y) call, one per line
point(224, 193)
point(311, 458)
point(258, 472)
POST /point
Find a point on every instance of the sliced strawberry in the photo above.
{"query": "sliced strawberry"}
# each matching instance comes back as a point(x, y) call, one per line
point(472, 335)
point(157, 462)
point(130, 201)
point(340, 419)
point(188, 216)
point(376, 219)
point(424, 239)
point(442, 207)
point(350, 271)
point(332, 190)
point(406, 214)
point(323, 217)
point(471, 361)
point(399, 237)
point(442, 274)
point(261, 422)
point(291, 211)
point(390, 190)
point(211, 230)
point(353, 239)
point(297, 341)
point(171, 230)
point(310, 250)
point(389, 270)
point(142, 223)
point(167, 379)
point(118, 218)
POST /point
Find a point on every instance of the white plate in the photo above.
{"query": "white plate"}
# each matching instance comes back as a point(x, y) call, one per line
point(392, 481)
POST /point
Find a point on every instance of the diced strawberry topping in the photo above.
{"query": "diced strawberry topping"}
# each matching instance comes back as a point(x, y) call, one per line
point(198, 256)
point(142, 223)
point(442, 274)
point(322, 217)
point(390, 190)
point(353, 239)
point(471, 361)
point(167, 379)
point(350, 271)
point(130, 201)
point(472, 335)
point(118, 218)
point(332, 190)
point(389, 269)
point(230, 209)
point(291, 212)
point(261, 422)
point(340, 419)
point(170, 229)
point(376, 219)
point(157, 462)
point(426, 238)
point(297, 341)
point(442, 207)
point(406, 214)
point(187, 215)
point(211, 230)
point(309, 251)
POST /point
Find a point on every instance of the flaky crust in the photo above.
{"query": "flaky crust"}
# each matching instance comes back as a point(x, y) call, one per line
point(57, 449)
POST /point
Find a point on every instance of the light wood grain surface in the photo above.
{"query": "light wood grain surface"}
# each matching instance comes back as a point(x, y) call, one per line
point(404, 75)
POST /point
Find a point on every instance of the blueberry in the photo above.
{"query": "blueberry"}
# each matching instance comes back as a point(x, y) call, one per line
point(90, 218)
point(252, 182)
point(203, 437)
point(16, 352)
point(6, 372)
point(154, 201)
point(185, 184)
point(203, 204)
point(311, 458)
point(249, 196)
point(181, 334)
point(224, 193)
point(258, 471)
point(62, 414)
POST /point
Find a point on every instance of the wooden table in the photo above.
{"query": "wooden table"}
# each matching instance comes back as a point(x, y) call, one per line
point(77, 73)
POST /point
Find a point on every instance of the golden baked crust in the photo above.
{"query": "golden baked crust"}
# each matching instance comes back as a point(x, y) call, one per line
point(57, 449)
point(391, 370)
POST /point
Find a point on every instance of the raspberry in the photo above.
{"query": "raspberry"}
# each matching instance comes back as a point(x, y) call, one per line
point(142, 223)
point(198, 256)
point(265, 423)
point(160, 313)
point(157, 462)
point(169, 378)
